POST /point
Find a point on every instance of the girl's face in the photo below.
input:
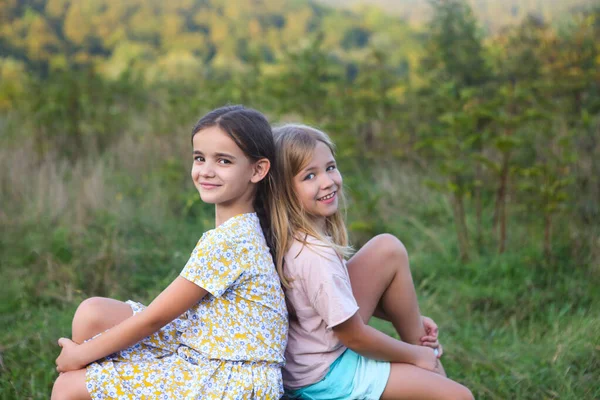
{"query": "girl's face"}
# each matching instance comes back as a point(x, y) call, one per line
point(221, 171)
point(317, 185)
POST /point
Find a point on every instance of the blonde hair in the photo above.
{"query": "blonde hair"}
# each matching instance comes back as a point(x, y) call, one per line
point(295, 145)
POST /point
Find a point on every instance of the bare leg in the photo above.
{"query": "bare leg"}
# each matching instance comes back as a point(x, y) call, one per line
point(383, 287)
point(96, 315)
point(413, 383)
point(71, 386)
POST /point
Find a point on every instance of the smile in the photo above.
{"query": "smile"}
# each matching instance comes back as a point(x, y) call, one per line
point(208, 185)
point(329, 196)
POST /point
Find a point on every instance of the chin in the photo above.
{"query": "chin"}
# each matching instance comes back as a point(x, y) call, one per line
point(208, 199)
point(329, 213)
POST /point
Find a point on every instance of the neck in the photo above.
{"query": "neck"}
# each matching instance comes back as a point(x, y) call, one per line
point(321, 225)
point(224, 212)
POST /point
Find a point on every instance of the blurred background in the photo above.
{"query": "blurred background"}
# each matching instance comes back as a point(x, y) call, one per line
point(469, 129)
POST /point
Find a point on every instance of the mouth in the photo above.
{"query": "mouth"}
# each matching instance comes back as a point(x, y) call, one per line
point(325, 198)
point(205, 185)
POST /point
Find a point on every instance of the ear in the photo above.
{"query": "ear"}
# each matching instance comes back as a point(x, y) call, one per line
point(260, 169)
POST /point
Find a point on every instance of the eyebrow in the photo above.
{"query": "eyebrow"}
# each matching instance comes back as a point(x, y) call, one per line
point(312, 167)
point(217, 154)
point(225, 155)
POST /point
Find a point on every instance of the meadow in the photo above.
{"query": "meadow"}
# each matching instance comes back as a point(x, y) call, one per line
point(514, 326)
point(481, 153)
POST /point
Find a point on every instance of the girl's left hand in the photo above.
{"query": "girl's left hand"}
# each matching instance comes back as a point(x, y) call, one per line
point(68, 360)
point(431, 335)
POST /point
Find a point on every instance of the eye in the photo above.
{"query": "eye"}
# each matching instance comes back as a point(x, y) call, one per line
point(224, 161)
point(199, 159)
point(309, 176)
point(331, 168)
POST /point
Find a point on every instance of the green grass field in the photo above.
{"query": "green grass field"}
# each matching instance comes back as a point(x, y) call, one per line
point(513, 326)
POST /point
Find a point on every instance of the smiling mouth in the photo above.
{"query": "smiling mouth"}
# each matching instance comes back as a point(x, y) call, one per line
point(208, 185)
point(329, 196)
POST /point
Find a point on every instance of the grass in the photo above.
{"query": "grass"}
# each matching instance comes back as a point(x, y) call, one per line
point(514, 326)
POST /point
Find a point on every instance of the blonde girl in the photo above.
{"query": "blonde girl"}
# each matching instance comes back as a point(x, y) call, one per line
point(220, 329)
point(332, 353)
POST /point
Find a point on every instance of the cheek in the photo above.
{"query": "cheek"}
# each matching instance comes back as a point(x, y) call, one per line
point(301, 191)
point(338, 179)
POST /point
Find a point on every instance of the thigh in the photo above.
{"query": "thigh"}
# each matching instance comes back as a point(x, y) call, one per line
point(70, 386)
point(409, 382)
point(109, 311)
point(371, 271)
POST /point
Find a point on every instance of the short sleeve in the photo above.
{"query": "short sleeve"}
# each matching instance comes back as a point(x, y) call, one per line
point(215, 264)
point(327, 285)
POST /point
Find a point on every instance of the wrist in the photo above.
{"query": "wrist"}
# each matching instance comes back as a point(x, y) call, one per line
point(415, 354)
point(81, 355)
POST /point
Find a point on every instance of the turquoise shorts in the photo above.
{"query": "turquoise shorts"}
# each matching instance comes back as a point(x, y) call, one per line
point(351, 376)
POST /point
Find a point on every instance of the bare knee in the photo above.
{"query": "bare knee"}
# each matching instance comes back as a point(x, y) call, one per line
point(87, 319)
point(462, 393)
point(89, 310)
point(68, 386)
point(467, 395)
point(390, 246)
point(60, 390)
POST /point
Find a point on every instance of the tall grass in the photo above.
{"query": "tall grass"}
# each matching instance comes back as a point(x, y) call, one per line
point(122, 224)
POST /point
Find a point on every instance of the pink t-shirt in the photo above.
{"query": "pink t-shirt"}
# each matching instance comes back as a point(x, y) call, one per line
point(320, 298)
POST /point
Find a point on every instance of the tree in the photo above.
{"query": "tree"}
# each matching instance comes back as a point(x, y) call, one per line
point(455, 67)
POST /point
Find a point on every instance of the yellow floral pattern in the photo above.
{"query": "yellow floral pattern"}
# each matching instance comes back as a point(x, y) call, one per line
point(229, 346)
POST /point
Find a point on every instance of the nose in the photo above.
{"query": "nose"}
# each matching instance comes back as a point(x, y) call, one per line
point(205, 170)
point(326, 182)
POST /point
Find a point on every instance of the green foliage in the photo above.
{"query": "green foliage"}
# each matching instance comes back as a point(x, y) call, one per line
point(180, 39)
point(440, 134)
point(494, 15)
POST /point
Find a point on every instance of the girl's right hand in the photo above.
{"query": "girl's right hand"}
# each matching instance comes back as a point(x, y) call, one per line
point(426, 358)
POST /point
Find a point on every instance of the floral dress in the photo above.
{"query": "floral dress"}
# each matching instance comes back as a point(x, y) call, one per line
point(228, 346)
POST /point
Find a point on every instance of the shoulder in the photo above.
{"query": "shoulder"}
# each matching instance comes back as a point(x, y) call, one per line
point(312, 253)
point(242, 230)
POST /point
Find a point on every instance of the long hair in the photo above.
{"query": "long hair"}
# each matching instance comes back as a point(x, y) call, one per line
point(295, 145)
point(252, 133)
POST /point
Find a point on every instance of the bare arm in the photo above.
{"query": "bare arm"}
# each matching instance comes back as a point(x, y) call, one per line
point(177, 298)
point(371, 343)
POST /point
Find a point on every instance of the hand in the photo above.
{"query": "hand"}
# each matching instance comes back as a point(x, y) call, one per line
point(431, 335)
point(68, 360)
point(426, 358)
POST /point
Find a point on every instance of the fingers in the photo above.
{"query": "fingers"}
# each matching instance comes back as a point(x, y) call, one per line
point(433, 345)
point(429, 338)
point(433, 328)
point(429, 324)
point(432, 342)
point(62, 342)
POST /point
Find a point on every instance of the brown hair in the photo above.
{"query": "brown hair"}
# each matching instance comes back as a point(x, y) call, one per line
point(295, 145)
point(252, 133)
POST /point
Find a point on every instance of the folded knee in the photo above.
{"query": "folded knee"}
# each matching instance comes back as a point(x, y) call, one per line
point(64, 388)
point(87, 317)
point(391, 246)
point(464, 393)
point(89, 309)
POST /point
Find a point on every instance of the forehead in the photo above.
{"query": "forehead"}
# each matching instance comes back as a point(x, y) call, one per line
point(319, 157)
point(321, 153)
point(214, 140)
